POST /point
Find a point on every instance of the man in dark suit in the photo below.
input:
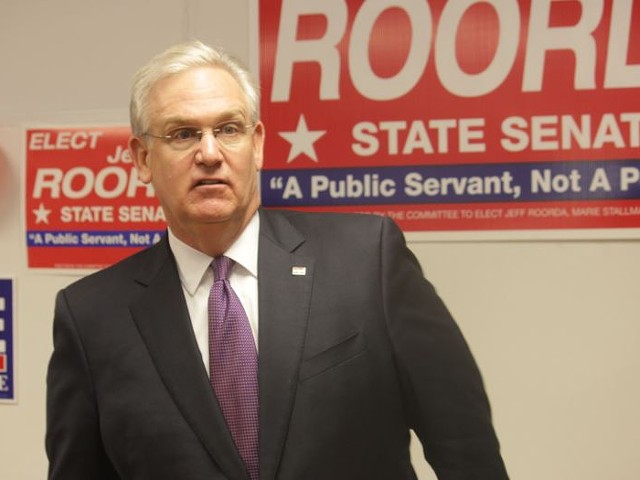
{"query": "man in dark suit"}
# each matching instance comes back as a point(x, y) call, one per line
point(353, 346)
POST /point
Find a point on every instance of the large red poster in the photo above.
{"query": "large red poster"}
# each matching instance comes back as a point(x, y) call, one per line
point(461, 115)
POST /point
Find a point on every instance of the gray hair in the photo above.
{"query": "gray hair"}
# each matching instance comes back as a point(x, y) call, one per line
point(177, 59)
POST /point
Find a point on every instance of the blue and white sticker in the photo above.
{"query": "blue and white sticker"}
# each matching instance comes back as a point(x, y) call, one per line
point(7, 331)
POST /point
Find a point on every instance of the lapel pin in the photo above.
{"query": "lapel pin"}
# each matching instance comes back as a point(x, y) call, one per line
point(298, 271)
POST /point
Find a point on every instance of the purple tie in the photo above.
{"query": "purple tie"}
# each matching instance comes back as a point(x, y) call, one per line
point(233, 362)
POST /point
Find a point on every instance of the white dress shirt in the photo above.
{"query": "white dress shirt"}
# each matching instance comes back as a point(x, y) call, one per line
point(196, 277)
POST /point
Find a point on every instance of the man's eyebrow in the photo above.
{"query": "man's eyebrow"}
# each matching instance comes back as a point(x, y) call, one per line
point(220, 118)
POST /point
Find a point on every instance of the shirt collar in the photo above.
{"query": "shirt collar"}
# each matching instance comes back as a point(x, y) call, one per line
point(193, 265)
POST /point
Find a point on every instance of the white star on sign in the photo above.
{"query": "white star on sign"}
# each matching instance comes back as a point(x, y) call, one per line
point(302, 140)
point(42, 214)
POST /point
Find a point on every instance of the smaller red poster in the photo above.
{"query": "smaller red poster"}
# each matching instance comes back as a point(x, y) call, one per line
point(85, 206)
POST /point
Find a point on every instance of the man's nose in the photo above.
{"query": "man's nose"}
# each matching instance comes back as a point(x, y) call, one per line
point(209, 147)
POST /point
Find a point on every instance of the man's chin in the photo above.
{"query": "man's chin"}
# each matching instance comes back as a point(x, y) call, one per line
point(222, 212)
point(220, 217)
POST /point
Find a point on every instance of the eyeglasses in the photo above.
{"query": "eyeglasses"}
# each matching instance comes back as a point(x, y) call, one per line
point(228, 135)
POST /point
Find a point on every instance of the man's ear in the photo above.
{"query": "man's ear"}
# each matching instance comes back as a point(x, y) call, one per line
point(140, 154)
point(258, 145)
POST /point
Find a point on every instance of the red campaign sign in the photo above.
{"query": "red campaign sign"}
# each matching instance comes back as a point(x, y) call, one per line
point(85, 206)
point(454, 116)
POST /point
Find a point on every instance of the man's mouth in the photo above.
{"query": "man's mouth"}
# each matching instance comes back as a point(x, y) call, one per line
point(209, 182)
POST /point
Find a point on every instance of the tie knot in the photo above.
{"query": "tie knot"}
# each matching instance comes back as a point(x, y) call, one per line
point(221, 267)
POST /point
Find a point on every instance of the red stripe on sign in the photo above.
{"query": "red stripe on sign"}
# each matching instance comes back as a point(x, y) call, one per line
point(3, 363)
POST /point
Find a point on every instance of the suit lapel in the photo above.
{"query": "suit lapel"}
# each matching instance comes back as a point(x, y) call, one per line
point(160, 313)
point(163, 320)
point(285, 279)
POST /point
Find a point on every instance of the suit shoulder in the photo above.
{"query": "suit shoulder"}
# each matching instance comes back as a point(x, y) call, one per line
point(121, 273)
point(348, 222)
point(338, 232)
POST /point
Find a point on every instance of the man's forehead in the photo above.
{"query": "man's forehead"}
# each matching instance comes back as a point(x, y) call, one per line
point(197, 92)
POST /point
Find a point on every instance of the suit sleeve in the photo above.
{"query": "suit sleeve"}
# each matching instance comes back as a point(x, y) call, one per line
point(73, 442)
point(444, 396)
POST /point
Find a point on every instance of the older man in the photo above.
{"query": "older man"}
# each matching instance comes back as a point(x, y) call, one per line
point(251, 343)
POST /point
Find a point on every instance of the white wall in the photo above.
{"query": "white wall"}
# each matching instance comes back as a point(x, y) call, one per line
point(554, 325)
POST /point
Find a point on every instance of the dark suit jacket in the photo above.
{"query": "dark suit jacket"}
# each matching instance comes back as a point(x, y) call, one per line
point(351, 356)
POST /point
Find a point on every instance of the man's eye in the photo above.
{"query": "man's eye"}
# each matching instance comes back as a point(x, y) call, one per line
point(229, 129)
point(183, 134)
